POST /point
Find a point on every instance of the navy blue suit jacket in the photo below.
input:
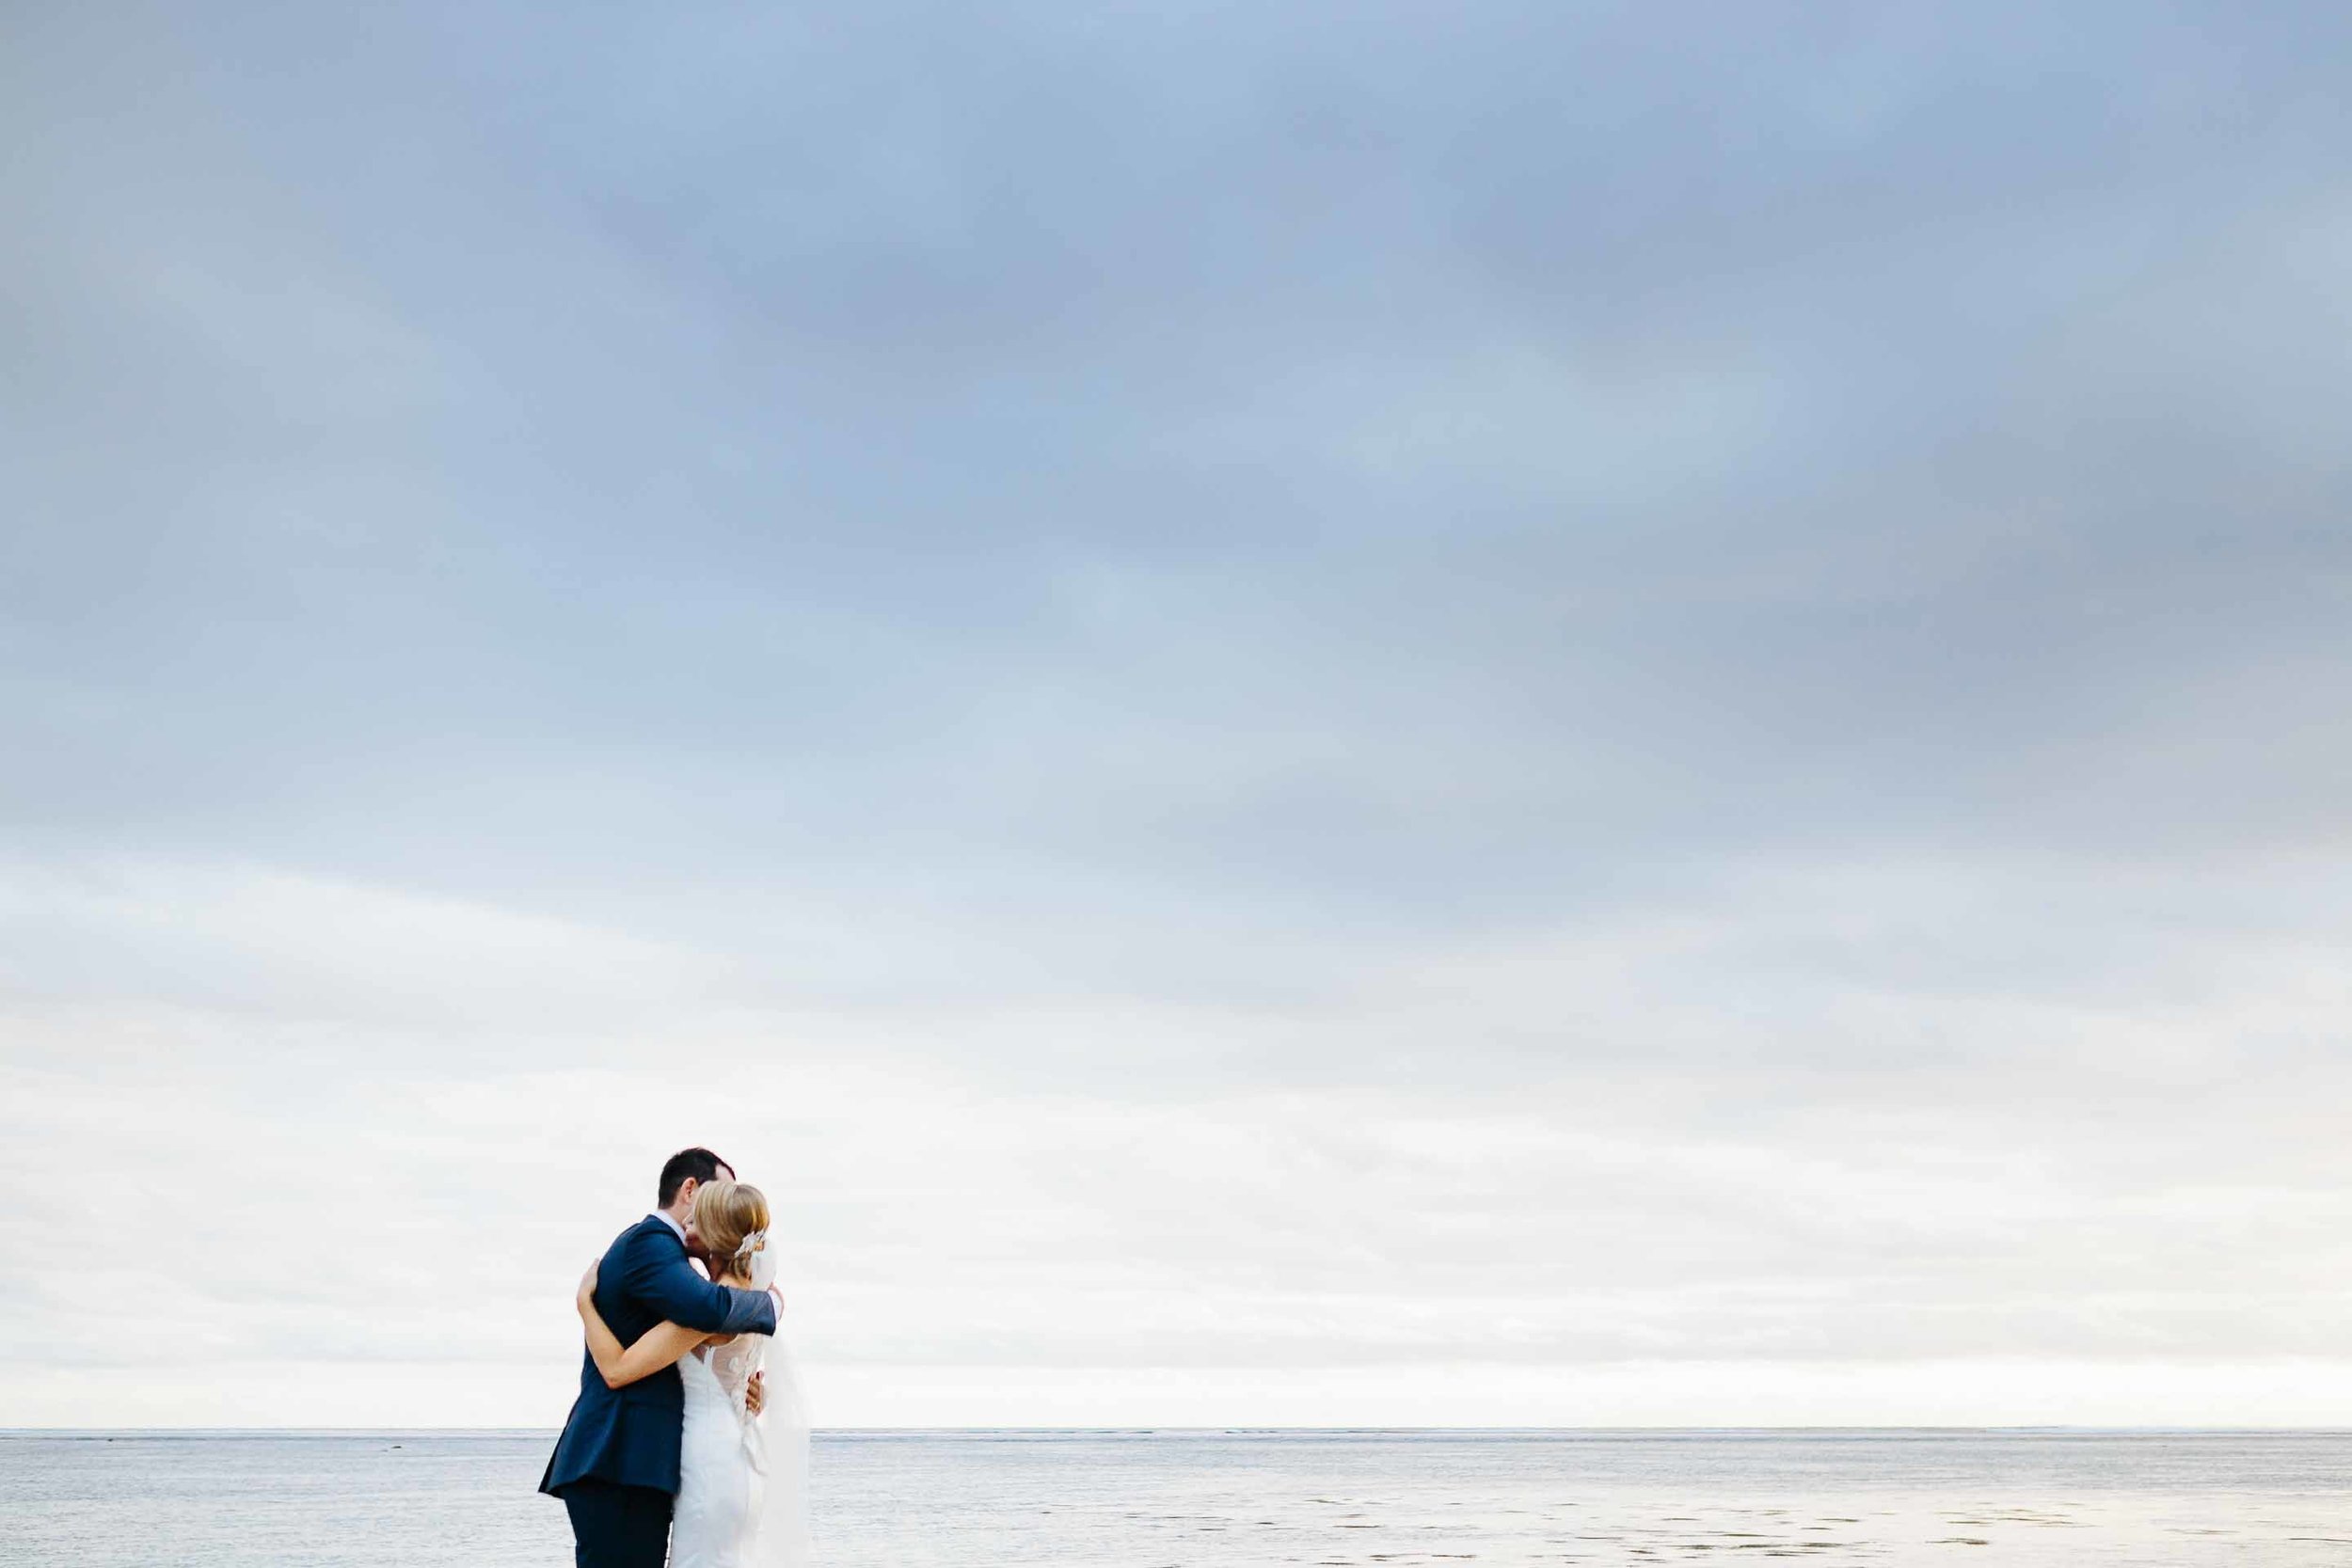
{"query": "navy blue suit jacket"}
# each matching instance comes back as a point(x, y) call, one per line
point(630, 1436)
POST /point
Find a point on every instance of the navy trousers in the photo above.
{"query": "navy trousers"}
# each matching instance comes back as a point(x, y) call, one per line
point(618, 1527)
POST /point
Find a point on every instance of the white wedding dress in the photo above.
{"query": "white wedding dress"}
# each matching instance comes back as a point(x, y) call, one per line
point(742, 1496)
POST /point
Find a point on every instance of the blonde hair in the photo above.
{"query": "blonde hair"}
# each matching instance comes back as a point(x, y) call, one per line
point(731, 1221)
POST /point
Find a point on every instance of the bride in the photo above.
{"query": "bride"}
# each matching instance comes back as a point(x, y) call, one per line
point(742, 1496)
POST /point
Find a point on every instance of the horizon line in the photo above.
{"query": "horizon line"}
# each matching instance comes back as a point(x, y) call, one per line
point(1146, 1430)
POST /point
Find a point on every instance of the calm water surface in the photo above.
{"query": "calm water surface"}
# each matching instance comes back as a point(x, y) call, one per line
point(1239, 1499)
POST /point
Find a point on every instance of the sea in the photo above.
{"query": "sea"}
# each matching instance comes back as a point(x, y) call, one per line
point(1232, 1498)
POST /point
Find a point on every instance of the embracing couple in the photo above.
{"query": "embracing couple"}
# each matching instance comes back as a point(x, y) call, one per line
point(687, 1438)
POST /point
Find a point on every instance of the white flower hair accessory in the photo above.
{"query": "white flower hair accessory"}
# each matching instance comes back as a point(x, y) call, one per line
point(755, 1242)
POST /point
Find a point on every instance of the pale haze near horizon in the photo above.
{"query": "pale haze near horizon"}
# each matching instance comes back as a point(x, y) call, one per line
point(1495, 715)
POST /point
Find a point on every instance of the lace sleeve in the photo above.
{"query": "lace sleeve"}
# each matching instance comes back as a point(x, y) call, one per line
point(734, 1363)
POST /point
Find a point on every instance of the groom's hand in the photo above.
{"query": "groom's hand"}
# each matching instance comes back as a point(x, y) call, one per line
point(756, 1392)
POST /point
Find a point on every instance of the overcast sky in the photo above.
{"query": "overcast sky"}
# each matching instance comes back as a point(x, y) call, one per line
point(1294, 713)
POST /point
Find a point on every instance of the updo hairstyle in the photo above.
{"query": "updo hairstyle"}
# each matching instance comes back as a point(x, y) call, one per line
point(731, 1221)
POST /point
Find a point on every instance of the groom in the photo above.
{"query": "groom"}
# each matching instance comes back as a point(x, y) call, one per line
point(616, 1465)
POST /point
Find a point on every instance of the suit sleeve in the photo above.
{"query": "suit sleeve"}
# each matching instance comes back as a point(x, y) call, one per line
point(663, 1279)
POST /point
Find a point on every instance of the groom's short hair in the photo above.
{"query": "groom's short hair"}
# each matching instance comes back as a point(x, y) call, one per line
point(696, 1165)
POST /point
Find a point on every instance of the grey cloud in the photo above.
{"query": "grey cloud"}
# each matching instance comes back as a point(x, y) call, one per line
point(1774, 584)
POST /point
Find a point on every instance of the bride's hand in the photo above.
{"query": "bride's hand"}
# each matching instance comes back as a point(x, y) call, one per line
point(583, 1297)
